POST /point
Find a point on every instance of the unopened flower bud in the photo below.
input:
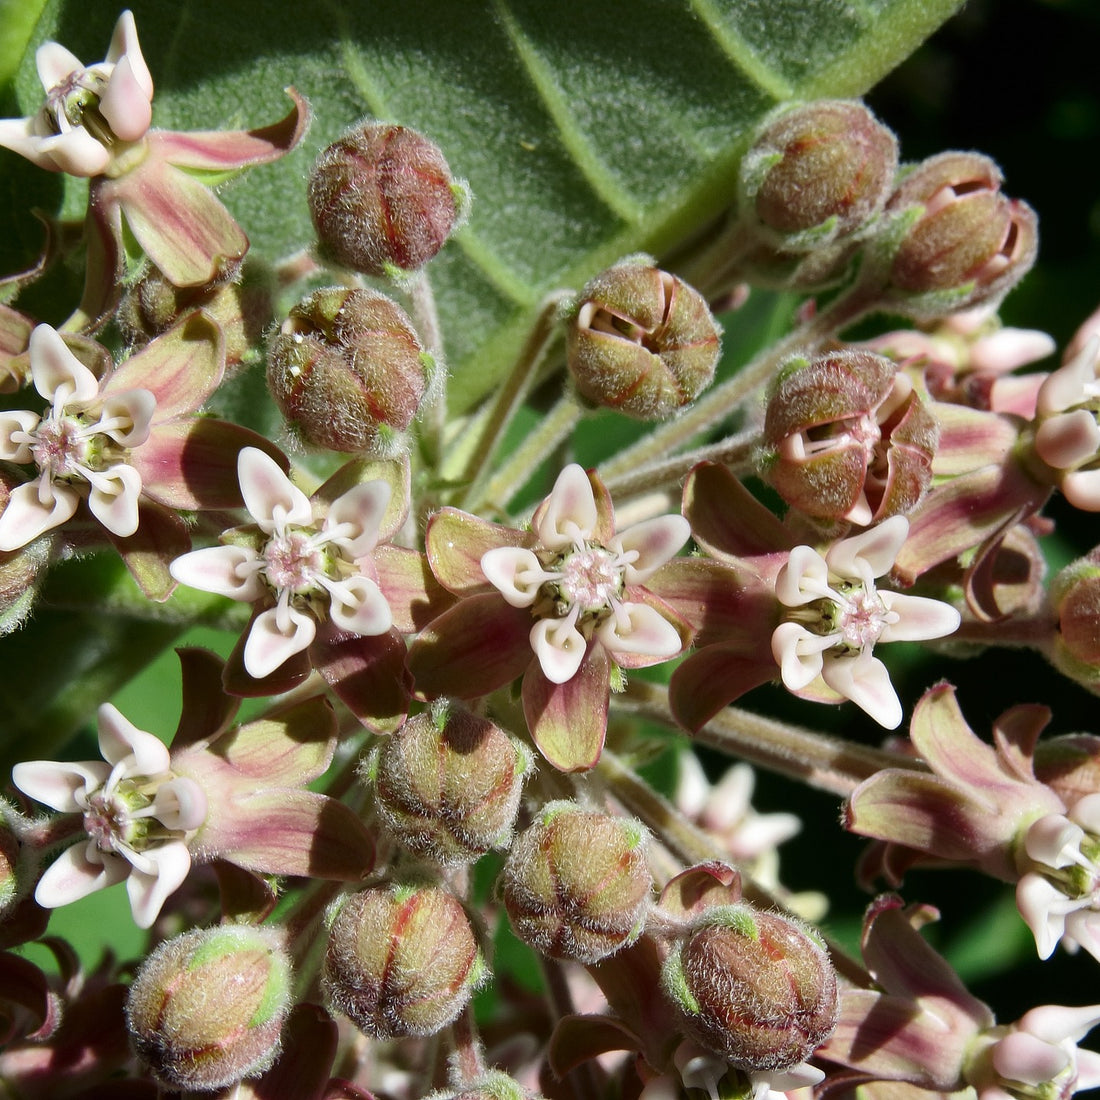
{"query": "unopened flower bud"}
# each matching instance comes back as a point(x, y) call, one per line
point(967, 243)
point(9, 859)
point(576, 883)
point(1075, 597)
point(347, 369)
point(846, 436)
point(642, 342)
point(401, 960)
point(206, 1009)
point(448, 784)
point(757, 988)
point(817, 173)
point(492, 1085)
point(1069, 765)
point(382, 198)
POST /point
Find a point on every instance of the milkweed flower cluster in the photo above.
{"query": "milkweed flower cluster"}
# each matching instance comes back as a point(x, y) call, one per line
point(467, 664)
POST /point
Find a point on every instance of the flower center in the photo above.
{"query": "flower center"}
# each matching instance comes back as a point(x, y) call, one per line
point(861, 618)
point(61, 447)
point(75, 102)
point(591, 579)
point(105, 820)
point(292, 562)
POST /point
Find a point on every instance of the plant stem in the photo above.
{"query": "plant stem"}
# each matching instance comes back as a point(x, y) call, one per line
point(433, 422)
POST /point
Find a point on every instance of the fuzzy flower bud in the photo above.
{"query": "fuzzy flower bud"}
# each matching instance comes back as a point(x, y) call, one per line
point(382, 197)
point(642, 342)
point(757, 988)
point(817, 172)
point(206, 1008)
point(492, 1085)
point(401, 960)
point(576, 884)
point(448, 784)
point(347, 369)
point(966, 244)
point(1075, 596)
point(846, 436)
point(9, 860)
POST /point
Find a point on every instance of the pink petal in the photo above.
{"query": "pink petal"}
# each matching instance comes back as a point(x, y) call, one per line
point(120, 738)
point(394, 474)
point(19, 420)
point(75, 152)
point(877, 547)
point(866, 681)
point(569, 721)
point(1023, 1057)
point(116, 504)
point(516, 573)
point(1088, 1070)
point(726, 519)
point(569, 513)
point(268, 647)
point(149, 891)
point(180, 804)
point(161, 537)
point(58, 374)
point(56, 784)
point(367, 674)
point(124, 45)
point(713, 677)
point(1009, 348)
point(361, 509)
point(1056, 1023)
point(78, 872)
point(356, 605)
point(559, 647)
point(456, 542)
point(56, 64)
point(25, 517)
point(645, 631)
point(919, 618)
point(269, 495)
point(127, 104)
point(655, 541)
point(412, 591)
point(1068, 439)
point(225, 570)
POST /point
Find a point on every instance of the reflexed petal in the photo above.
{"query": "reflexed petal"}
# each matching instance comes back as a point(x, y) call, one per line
point(126, 104)
point(25, 517)
point(456, 542)
point(268, 647)
point(919, 618)
point(560, 648)
point(1023, 1057)
point(1038, 901)
point(803, 579)
point(56, 64)
point(568, 721)
point(655, 541)
point(55, 368)
point(878, 547)
point(148, 892)
point(798, 654)
point(135, 408)
point(269, 495)
point(225, 570)
point(516, 573)
point(116, 507)
point(1055, 1023)
point(78, 872)
point(865, 680)
point(645, 631)
point(18, 420)
point(361, 509)
point(76, 152)
point(56, 784)
point(120, 738)
point(180, 804)
point(1054, 840)
point(357, 605)
point(569, 513)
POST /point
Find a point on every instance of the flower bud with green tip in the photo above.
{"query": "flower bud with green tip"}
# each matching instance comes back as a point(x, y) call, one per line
point(1075, 597)
point(817, 173)
point(491, 1085)
point(755, 987)
point(576, 883)
point(348, 370)
point(383, 200)
point(448, 783)
point(206, 1008)
point(642, 342)
point(401, 960)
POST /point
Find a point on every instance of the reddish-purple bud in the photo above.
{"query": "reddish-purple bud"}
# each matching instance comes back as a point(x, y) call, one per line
point(206, 1009)
point(1075, 597)
point(965, 243)
point(846, 436)
point(347, 370)
point(1069, 765)
point(448, 783)
point(382, 198)
point(401, 960)
point(576, 883)
point(817, 173)
point(642, 342)
point(755, 987)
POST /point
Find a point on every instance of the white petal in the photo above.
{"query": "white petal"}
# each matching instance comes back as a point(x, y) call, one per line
point(78, 872)
point(114, 497)
point(268, 647)
point(148, 892)
point(803, 578)
point(1038, 902)
point(559, 647)
point(20, 136)
point(1083, 928)
point(56, 783)
point(25, 517)
point(1086, 812)
point(1023, 1057)
point(1082, 489)
point(865, 680)
point(124, 44)
point(126, 104)
point(56, 64)
point(692, 784)
point(516, 573)
point(800, 1076)
point(655, 541)
point(55, 368)
point(1054, 1023)
point(1053, 840)
point(919, 618)
point(1009, 348)
point(180, 804)
point(570, 512)
point(1068, 439)
point(270, 496)
point(643, 630)
point(134, 408)
point(362, 508)
point(225, 570)
point(1088, 1070)
point(878, 547)
point(17, 420)
point(356, 604)
point(76, 152)
point(1070, 384)
point(119, 738)
point(798, 654)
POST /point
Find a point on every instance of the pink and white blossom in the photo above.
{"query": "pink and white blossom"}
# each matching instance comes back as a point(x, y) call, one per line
point(93, 113)
point(137, 816)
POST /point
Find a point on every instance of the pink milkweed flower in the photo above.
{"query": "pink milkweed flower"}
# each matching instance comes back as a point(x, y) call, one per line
point(137, 816)
point(563, 605)
point(93, 114)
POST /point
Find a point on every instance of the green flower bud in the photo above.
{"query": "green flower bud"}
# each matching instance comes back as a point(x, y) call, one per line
point(642, 342)
point(9, 859)
point(206, 1008)
point(347, 369)
point(382, 198)
point(492, 1085)
point(448, 784)
point(1075, 597)
point(576, 883)
point(756, 988)
point(401, 960)
point(817, 173)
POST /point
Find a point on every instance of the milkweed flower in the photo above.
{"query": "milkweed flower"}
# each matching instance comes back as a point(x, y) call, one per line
point(137, 817)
